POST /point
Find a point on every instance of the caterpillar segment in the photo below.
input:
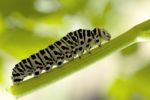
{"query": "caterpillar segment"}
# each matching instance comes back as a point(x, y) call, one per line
point(66, 50)
point(37, 64)
point(47, 59)
point(56, 54)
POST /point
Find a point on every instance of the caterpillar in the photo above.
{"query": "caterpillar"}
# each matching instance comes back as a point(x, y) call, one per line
point(74, 44)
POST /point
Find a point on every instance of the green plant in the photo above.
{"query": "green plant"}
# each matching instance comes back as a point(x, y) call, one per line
point(126, 39)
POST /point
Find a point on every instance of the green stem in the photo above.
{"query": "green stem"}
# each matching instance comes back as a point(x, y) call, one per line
point(118, 43)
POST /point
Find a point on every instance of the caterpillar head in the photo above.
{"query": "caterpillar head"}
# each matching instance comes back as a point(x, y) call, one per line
point(104, 34)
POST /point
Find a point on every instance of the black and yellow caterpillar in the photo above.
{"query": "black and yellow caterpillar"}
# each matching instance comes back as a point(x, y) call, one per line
point(67, 48)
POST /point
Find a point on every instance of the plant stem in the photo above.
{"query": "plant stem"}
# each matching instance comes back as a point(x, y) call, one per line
point(118, 43)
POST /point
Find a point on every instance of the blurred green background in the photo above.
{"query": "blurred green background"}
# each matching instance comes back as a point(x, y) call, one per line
point(30, 25)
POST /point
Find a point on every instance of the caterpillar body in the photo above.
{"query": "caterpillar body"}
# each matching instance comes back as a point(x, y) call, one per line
point(67, 48)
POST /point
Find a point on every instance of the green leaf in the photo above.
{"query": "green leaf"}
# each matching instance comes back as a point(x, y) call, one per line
point(72, 6)
point(21, 43)
point(7, 7)
point(137, 86)
point(99, 19)
point(1, 70)
point(130, 50)
point(126, 39)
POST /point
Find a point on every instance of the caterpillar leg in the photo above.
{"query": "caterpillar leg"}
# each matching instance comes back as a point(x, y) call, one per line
point(100, 45)
point(88, 48)
point(48, 67)
point(38, 71)
point(69, 56)
point(59, 63)
point(80, 51)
